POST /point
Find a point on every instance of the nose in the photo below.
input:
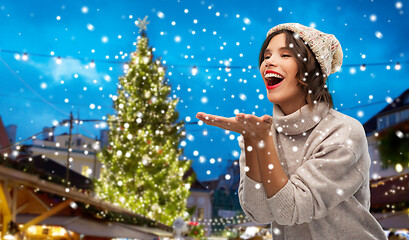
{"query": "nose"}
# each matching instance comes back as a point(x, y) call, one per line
point(271, 61)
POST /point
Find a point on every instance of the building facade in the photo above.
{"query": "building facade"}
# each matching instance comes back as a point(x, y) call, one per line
point(201, 200)
point(394, 117)
point(82, 152)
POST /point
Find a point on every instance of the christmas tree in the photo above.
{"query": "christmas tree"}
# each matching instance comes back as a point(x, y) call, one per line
point(142, 170)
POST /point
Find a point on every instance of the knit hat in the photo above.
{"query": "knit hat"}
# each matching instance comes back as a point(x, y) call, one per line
point(326, 47)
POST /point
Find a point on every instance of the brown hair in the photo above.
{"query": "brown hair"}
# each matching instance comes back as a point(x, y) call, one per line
point(310, 78)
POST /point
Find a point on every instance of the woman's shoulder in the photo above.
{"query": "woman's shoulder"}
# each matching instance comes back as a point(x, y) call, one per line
point(348, 122)
point(341, 129)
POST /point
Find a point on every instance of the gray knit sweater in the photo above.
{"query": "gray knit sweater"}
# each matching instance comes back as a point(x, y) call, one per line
point(325, 156)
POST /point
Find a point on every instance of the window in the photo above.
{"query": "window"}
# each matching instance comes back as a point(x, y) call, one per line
point(78, 141)
point(381, 123)
point(404, 115)
point(392, 119)
point(86, 170)
point(190, 201)
point(200, 214)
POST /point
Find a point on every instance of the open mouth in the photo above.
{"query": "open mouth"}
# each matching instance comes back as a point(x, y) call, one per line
point(273, 79)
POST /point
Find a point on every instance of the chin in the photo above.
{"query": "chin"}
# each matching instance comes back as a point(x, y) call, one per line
point(272, 99)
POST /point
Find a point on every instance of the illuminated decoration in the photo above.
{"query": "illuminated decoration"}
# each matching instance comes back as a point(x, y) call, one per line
point(142, 171)
point(398, 168)
point(142, 24)
point(51, 232)
point(390, 194)
point(218, 224)
point(8, 236)
point(25, 56)
point(194, 70)
point(398, 66)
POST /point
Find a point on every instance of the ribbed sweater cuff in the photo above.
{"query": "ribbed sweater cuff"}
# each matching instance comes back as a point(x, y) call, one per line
point(254, 197)
point(282, 203)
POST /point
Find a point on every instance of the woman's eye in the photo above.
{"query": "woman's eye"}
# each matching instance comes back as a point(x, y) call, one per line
point(286, 55)
point(266, 57)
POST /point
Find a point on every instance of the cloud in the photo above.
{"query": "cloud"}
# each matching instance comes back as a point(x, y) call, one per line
point(69, 70)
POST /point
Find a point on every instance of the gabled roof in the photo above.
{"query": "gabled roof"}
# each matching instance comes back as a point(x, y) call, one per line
point(398, 103)
point(211, 185)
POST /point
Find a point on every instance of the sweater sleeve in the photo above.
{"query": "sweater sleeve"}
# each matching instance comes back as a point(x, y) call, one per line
point(328, 178)
point(252, 196)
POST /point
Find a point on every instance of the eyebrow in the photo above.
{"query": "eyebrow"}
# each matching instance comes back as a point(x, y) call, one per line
point(280, 49)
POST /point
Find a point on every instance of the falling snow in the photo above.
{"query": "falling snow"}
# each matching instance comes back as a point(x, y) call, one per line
point(200, 54)
point(399, 134)
point(276, 231)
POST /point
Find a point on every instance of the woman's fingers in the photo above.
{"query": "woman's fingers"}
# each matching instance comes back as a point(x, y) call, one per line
point(242, 123)
point(208, 118)
point(219, 121)
point(201, 115)
point(249, 119)
point(267, 119)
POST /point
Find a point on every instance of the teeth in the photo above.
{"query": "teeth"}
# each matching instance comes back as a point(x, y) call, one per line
point(272, 75)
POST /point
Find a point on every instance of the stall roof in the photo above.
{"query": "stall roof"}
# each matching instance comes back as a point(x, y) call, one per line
point(79, 223)
point(17, 177)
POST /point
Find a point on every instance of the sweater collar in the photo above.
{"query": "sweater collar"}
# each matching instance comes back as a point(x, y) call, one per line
point(299, 121)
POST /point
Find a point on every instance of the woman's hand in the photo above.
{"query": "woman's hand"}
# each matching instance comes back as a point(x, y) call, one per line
point(230, 124)
point(257, 128)
point(246, 124)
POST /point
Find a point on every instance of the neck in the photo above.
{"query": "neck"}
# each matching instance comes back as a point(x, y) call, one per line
point(291, 107)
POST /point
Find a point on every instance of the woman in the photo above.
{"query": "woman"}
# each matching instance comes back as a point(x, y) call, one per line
point(306, 168)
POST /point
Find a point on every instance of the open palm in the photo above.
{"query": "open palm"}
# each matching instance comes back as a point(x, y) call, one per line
point(245, 124)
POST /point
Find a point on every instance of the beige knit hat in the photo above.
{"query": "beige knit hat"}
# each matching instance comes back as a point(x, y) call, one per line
point(326, 47)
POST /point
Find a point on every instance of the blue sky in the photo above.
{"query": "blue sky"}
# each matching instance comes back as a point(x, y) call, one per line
point(185, 33)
